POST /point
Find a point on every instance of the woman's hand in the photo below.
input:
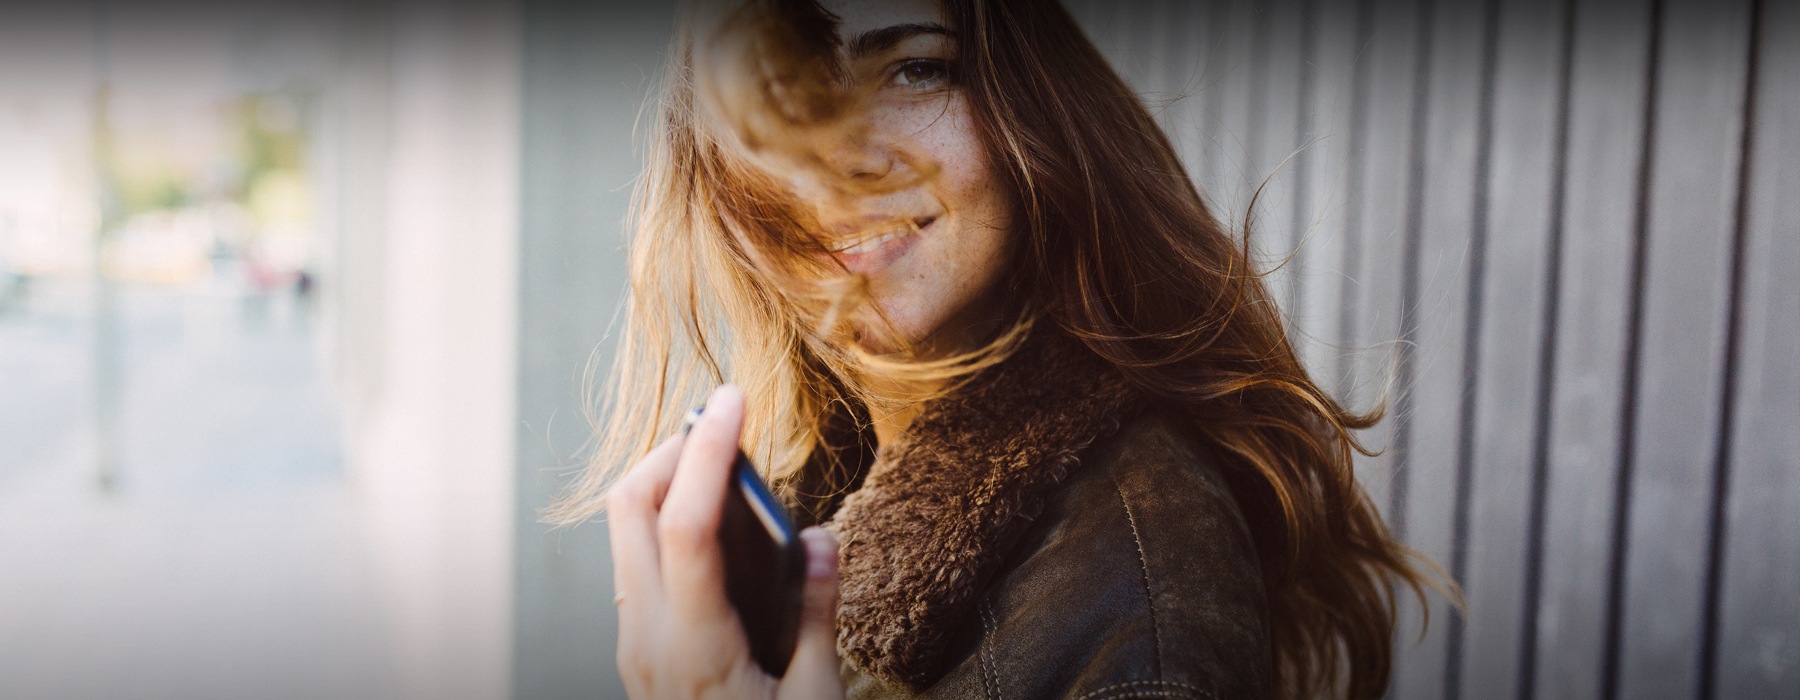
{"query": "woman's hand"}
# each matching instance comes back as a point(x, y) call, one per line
point(678, 635)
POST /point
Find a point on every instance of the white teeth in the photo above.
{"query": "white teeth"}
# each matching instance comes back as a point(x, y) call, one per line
point(869, 245)
point(860, 246)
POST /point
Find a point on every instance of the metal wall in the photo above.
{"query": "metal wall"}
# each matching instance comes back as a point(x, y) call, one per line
point(1560, 237)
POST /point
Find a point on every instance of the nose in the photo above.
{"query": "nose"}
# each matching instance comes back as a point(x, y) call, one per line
point(861, 159)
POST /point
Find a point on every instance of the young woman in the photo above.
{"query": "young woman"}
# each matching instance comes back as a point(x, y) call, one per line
point(980, 327)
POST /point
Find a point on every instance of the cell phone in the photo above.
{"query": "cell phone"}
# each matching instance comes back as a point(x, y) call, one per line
point(765, 564)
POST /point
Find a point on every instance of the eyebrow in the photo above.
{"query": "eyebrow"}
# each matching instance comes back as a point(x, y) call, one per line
point(878, 40)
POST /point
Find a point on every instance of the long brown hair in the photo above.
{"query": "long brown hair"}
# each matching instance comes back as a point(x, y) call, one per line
point(1116, 248)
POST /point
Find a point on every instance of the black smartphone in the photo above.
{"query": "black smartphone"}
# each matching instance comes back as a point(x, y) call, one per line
point(765, 564)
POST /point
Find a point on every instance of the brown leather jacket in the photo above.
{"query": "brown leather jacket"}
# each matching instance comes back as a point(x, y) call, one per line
point(1047, 534)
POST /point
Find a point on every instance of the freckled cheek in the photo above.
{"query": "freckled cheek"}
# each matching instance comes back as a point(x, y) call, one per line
point(969, 187)
point(949, 142)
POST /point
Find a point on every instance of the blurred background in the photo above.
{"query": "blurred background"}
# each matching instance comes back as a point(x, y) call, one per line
point(259, 348)
point(296, 300)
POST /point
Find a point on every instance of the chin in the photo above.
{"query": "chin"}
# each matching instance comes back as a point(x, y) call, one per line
point(876, 337)
point(877, 341)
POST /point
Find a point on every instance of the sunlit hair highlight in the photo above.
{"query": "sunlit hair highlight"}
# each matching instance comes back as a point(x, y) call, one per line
point(1115, 247)
point(724, 282)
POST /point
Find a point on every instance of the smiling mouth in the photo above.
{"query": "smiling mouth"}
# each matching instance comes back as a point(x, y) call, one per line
point(871, 240)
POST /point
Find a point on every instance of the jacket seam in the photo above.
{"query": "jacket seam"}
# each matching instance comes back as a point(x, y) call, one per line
point(1144, 565)
point(1147, 689)
point(990, 686)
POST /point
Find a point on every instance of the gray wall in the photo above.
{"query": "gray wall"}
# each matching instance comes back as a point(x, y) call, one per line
point(1579, 223)
point(588, 67)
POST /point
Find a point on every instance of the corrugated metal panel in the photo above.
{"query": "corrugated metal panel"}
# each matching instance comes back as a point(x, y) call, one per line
point(1576, 222)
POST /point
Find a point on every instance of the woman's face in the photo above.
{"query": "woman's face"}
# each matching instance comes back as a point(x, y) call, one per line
point(931, 227)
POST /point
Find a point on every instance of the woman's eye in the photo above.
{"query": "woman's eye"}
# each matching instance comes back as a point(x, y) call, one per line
point(922, 73)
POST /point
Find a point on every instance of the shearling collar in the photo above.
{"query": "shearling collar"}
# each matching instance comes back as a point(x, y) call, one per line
point(940, 508)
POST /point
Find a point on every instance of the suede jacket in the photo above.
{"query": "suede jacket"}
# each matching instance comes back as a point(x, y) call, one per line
point(1048, 533)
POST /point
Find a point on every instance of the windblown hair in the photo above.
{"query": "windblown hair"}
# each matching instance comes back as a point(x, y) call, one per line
point(1115, 247)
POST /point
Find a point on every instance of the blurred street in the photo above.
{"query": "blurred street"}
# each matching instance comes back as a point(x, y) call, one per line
point(229, 560)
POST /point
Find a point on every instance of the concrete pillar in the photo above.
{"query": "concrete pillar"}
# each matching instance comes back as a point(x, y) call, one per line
point(588, 69)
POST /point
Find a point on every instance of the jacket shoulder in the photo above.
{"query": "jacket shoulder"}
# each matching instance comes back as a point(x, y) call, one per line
point(1138, 579)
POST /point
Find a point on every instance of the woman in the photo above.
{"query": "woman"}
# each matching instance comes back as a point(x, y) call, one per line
point(989, 336)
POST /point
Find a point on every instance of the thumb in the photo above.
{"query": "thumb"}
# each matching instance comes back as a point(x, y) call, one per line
point(813, 673)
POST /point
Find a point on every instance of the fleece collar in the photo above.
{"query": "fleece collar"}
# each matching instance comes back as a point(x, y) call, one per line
point(940, 508)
